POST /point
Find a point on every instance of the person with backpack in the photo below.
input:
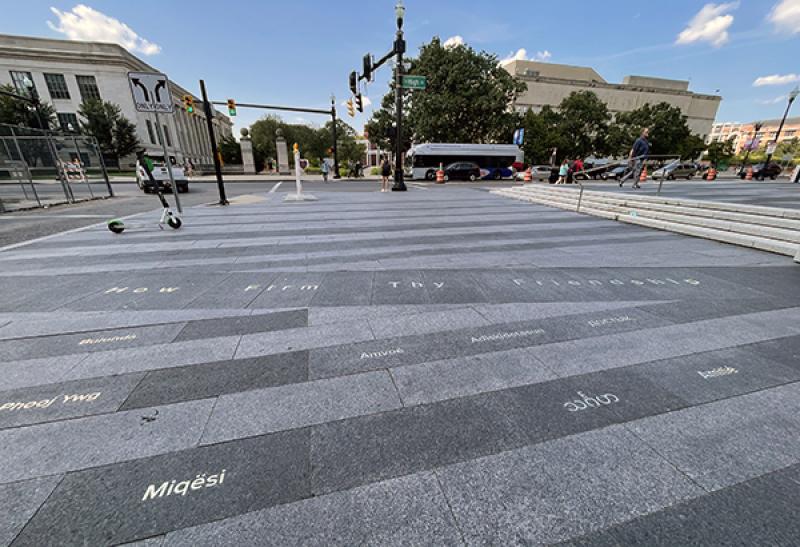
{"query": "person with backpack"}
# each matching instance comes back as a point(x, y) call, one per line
point(386, 172)
point(324, 170)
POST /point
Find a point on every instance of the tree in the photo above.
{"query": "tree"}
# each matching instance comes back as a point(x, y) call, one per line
point(349, 149)
point(104, 121)
point(231, 150)
point(543, 132)
point(720, 151)
point(14, 111)
point(585, 118)
point(669, 132)
point(466, 99)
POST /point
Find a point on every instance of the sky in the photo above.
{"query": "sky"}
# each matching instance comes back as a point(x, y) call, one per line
point(299, 53)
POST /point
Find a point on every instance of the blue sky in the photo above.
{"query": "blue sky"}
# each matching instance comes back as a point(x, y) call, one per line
point(298, 53)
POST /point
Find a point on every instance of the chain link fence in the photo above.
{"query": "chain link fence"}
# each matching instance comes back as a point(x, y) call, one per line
point(42, 168)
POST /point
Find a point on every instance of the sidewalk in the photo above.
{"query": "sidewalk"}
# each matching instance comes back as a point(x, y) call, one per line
point(257, 178)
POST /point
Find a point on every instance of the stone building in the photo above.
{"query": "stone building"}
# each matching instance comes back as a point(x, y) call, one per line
point(550, 83)
point(742, 133)
point(66, 72)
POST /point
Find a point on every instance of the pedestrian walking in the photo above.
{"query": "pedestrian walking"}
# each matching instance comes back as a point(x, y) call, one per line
point(553, 157)
point(636, 159)
point(562, 172)
point(386, 172)
point(324, 169)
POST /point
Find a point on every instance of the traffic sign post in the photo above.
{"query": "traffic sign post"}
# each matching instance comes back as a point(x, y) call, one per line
point(151, 93)
point(413, 82)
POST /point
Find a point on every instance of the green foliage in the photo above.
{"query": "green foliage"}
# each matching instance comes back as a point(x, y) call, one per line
point(669, 132)
point(720, 151)
point(16, 112)
point(231, 150)
point(104, 121)
point(313, 142)
point(466, 100)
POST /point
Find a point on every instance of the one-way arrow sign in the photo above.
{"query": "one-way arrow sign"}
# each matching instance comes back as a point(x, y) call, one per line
point(150, 92)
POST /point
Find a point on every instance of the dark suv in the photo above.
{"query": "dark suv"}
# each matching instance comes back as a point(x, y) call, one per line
point(761, 172)
point(462, 170)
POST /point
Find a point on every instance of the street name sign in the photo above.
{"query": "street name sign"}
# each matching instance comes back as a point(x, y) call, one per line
point(150, 92)
point(771, 146)
point(414, 82)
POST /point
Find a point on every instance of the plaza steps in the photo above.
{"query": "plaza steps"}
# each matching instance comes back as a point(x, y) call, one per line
point(765, 228)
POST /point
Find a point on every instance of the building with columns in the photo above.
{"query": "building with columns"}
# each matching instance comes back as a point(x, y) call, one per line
point(66, 72)
point(550, 83)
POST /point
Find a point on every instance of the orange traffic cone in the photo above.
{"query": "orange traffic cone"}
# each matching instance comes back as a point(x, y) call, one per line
point(712, 174)
point(643, 176)
point(527, 177)
point(749, 175)
point(440, 175)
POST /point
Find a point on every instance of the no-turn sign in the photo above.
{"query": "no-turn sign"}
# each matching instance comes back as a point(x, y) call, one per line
point(150, 92)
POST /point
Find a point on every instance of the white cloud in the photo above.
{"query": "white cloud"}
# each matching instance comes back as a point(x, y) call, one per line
point(454, 41)
point(776, 100)
point(711, 25)
point(522, 55)
point(786, 16)
point(776, 79)
point(89, 25)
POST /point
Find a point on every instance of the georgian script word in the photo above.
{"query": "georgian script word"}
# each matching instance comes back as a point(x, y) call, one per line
point(384, 353)
point(720, 371)
point(46, 403)
point(506, 335)
point(594, 323)
point(590, 402)
point(105, 340)
point(168, 488)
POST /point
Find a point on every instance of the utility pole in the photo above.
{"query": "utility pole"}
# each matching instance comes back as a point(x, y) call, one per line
point(336, 174)
point(399, 49)
point(209, 110)
point(792, 96)
point(757, 128)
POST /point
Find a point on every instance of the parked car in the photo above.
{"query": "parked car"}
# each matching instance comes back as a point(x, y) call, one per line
point(676, 171)
point(761, 172)
point(161, 176)
point(614, 173)
point(462, 170)
point(538, 173)
point(596, 168)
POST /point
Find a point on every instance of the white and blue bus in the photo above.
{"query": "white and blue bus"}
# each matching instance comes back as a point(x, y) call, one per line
point(495, 160)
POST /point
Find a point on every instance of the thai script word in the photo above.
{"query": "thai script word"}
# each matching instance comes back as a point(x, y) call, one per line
point(168, 488)
point(590, 402)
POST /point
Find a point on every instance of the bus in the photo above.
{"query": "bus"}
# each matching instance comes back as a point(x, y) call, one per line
point(495, 160)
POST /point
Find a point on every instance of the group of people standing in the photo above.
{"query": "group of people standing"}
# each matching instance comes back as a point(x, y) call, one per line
point(568, 169)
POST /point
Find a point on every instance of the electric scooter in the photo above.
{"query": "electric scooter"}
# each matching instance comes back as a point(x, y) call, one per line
point(167, 216)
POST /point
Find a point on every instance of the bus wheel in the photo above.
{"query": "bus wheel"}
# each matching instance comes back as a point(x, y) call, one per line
point(497, 175)
point(472, 177)
point(430, 175)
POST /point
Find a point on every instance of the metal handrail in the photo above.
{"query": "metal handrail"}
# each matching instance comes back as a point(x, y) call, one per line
point(617, 164)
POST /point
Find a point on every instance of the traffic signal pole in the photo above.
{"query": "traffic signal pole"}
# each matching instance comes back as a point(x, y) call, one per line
point(336, 174)
point(209, 110)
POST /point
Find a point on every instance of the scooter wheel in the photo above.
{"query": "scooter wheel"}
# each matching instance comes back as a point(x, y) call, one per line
point(116, 226)
point(174, 222)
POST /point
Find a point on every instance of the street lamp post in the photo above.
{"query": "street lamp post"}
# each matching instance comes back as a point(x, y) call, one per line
point(399, 49)
point(336, 174)
point(792, 96)
point(757, 128)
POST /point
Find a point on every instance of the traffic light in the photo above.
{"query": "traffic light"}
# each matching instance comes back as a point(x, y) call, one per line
point(231, 107)
point(188, 104)
point(354, 82)
point(359, 102)
point(366, 71)
point(350, 110)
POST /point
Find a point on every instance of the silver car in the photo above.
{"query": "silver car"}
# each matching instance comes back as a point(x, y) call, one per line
point(676, 171)
point(538, 173)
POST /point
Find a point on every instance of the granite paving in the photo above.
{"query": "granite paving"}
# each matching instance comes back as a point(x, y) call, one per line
point(437, 367)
